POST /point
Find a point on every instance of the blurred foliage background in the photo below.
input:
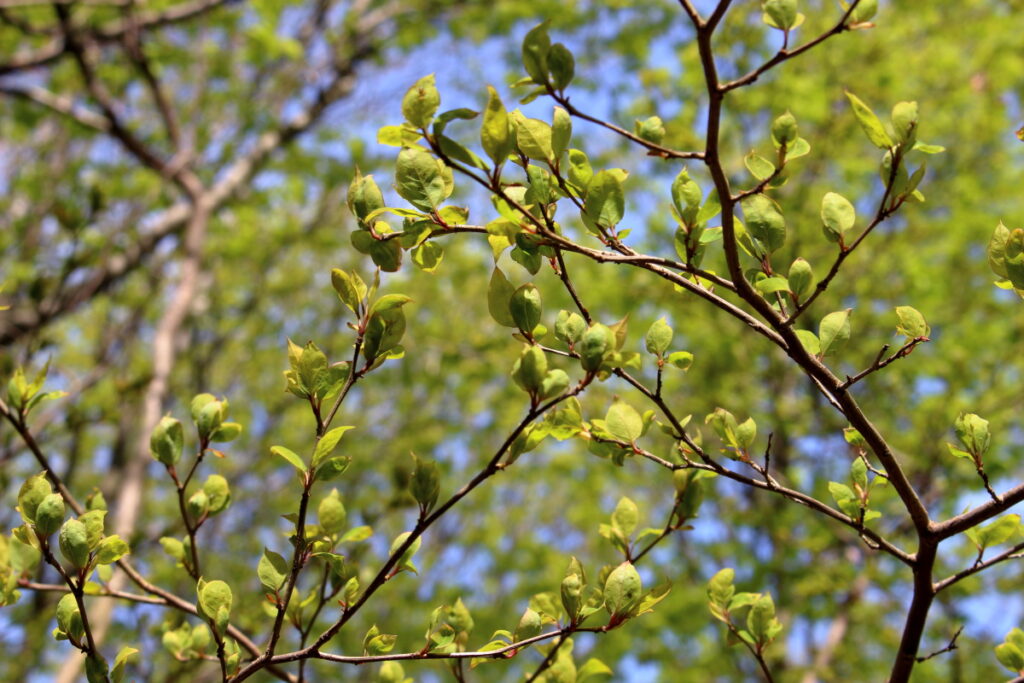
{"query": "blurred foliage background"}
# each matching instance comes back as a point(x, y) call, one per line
point(74, 202)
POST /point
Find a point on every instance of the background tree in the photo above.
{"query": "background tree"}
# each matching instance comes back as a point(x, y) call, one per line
point(260, 275)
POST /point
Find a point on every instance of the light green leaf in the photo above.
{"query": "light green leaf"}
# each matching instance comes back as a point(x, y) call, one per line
point(290, 456)
point(870, 123)
point(418, 179)
point(834, 332)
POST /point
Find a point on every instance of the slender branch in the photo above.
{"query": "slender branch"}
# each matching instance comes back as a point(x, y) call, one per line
point(1014, 553)
point(879, 363)
point(949, 647)
point(785, 54)
point(980, 514)
point(117, 595)
point(165, 597)
point(111, 32)
point(548, 660)
point(386, 572)
point(654, 149)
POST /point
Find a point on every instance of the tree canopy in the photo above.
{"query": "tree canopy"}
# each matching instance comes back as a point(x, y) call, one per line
point(665, 341)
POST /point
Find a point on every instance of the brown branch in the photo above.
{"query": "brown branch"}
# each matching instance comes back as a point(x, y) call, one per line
point(1014, 553)
point(386, 571)
point(949, 647)
point(111, 32)
point(167, 598)
point(785, 54)
point(653, 148)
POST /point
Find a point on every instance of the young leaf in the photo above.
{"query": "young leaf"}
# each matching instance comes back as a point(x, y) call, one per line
point(272, 570)
point(911, 323)
point(421, 102)
point(495, 135)
point(536, 45)
point(525, 308)
point(834, 332)
point(764, 220)
point(290, 456)
point(418, 179)
point(622, 589)
point(624, 422)
point(605, 202)
point(837, 215)
point(658, 337)
point(870, 123)
point(499, 297)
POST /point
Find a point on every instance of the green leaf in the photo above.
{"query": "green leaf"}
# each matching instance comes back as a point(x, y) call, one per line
point(597, 341)
point(74, 543)
point(591, 668)
point(999, 531)
point(681, 360)
point(624, 422)
point(215, 602)
point(782, 13)
point(173, 547)
point(326, 445)
point(973, 432)
point(118, 671)
point(651, 129)
point(421, 102)
point(870, 123)
point(837, 215)
point(625, 517)
point(495, 135)
point(759, 167)
point(93, 521)
point(49, 515)
point(31, 494)
point(658, 337)
point(834, 332)
point(760, 618)
point(771, 285)
point(580, 172)
point(110, 550)
point(218, 493)
point(525, 308)
point(330, 513)
point(364, 197)
point(605, 202)
point(536, 45)
point(357, 534)
point(784, 128)
point(622, 589)
point(569, 327)
point(764, 221)
point(904, 122)
point(810, 341)
point(561, 132)
point(801, 279)
point(845, 498)
point(405, 562)
point(864, 11)
point(911, 323)
point(272, 570)
point(1010, 656)
point(418, 179)
point(562, 66)
point(289, 455)
point(333, 468)
point(534, 138)
point(425, 483)
point(167, 441)
point(499, 297)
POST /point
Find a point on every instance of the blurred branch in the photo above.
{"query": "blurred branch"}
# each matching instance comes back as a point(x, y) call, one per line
point(109, 33)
